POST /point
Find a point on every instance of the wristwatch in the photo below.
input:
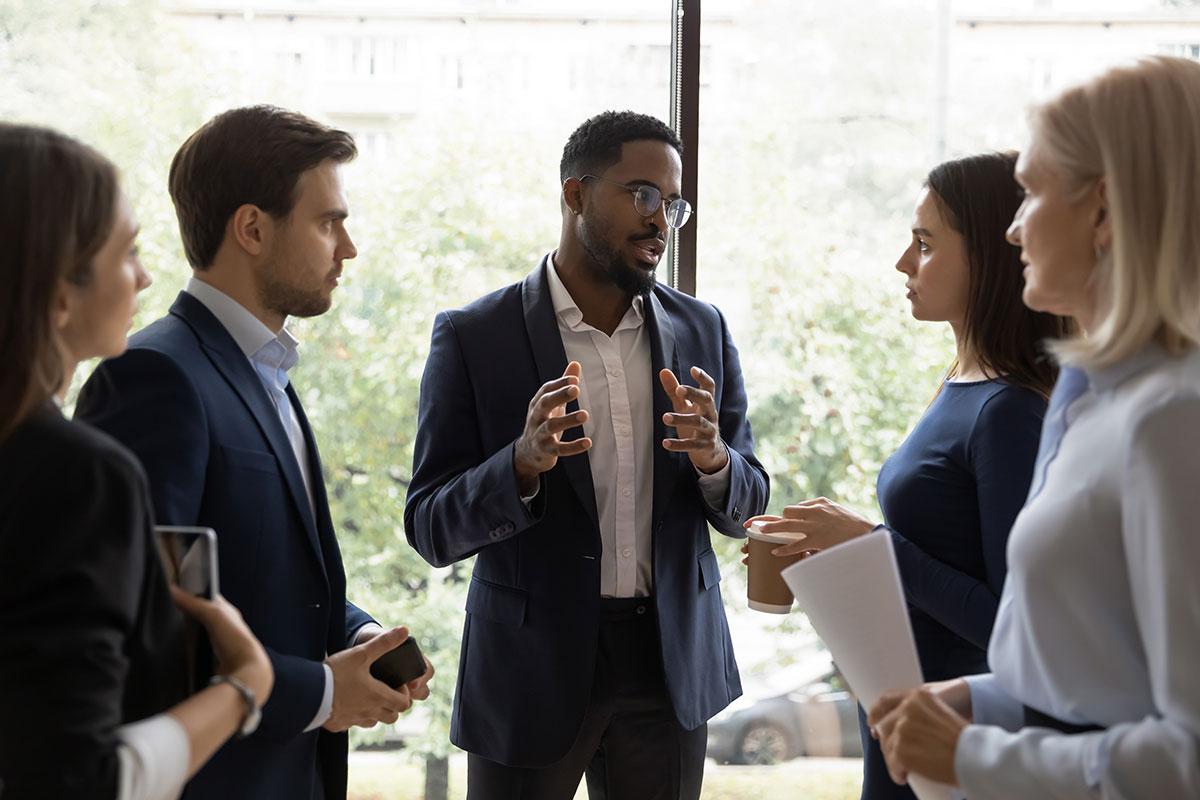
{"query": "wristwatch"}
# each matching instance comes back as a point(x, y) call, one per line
point(253, 713)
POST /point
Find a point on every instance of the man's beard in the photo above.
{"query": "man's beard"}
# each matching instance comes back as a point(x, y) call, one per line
point(278, 291)
point(610, 263)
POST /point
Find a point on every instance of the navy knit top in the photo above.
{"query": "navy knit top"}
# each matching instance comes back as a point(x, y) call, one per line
point(949, 495)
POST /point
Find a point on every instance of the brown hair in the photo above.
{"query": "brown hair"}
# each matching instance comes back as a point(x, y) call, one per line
point(978, 197)
point(245, 156)
point(58, 205)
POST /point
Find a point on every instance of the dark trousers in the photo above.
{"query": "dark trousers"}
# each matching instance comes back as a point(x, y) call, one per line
point(877, 783)
point(630, 744)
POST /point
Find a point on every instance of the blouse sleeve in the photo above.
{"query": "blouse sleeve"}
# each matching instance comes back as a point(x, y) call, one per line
point(1002, 449)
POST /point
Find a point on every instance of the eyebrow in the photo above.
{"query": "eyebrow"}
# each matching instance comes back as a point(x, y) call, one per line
point(336, 214)
point(923, 232)
point(641, 182)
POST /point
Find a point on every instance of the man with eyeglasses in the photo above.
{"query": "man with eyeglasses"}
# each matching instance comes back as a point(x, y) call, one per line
point(595, 637)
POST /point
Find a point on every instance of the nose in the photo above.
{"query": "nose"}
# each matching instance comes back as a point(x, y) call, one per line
point(1013, 234)
point(906, 263)
point(347, 250)
point(144, 278)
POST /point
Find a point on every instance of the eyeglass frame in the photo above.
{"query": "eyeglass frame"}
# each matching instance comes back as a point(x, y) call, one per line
point(633, 190)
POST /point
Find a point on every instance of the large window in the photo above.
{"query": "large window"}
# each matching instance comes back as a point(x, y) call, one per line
point(817, 124)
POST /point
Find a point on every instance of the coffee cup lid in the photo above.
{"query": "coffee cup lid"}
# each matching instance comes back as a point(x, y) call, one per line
point(755, 531)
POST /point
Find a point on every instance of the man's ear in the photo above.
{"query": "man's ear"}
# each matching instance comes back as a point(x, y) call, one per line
point(251, 229)
point(1103, 234)
point(572, 192)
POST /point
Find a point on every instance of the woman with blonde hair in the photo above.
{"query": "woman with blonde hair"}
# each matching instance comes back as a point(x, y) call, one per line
point(1095, 690)
point(94, 695)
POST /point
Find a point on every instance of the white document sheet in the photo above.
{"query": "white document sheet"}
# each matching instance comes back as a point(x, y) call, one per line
point(852, 596)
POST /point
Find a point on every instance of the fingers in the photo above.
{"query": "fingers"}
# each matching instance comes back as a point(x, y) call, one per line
point(549, 402)
point(887, 702)
point(704, 380)
point(671, 386)
point(788, 526)
point(698, 422)
point(389, 640)
point(761, 518)
point(574, 448)
point(556, 425)
point(573, 370)
point(558, 384)
point(687, 445)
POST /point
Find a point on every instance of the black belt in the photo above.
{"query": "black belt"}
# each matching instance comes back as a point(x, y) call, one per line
point(1036, 719)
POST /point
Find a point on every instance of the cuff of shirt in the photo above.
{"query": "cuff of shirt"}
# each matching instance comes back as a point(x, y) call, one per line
point(326, 707)
point(991, 705)
point(373, 628)
point(532, 497)
point(153, 758)
point(715, 487)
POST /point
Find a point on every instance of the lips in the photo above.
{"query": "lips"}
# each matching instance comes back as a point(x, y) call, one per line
point(649, 250)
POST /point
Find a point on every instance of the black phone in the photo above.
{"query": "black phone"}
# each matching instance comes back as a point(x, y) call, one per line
point(399, 665)
point(189, 556)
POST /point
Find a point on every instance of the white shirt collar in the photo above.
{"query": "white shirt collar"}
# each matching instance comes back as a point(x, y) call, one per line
point(253, 337)
point(567, 311)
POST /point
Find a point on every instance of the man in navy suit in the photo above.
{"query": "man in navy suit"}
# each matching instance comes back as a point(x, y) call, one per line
point(203, 398)
point(595, 638)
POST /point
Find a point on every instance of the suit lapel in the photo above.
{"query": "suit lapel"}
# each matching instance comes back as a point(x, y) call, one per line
point(233, 365)
point(662, 355)
point(551, 360)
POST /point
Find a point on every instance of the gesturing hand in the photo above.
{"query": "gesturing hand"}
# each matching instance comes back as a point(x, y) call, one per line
point(540, 445)
point(695, 421)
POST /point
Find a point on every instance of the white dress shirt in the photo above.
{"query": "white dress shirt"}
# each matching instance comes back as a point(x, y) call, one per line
point(617, 391)
point(1099, 620)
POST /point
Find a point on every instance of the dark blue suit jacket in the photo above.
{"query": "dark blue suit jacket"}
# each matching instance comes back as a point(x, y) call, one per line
point(529, 645)
point(188, 403)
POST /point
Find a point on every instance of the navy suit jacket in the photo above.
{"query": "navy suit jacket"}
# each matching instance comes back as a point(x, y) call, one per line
point(188, 403)
point(529, 643)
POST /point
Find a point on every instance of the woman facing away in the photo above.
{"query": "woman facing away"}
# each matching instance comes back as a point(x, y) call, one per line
point(93, 681)
point(1095, 690)
point(951, 491)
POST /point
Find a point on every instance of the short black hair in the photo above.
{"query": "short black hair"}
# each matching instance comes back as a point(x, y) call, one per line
point(596, 144)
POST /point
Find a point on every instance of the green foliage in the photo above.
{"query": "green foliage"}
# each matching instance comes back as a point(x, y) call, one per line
point(801, 215)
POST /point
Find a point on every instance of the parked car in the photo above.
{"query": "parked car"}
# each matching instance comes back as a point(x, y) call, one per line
point(816, 717)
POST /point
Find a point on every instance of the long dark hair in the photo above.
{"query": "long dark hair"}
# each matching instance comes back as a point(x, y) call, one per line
point(58, 203)
point(978, 197)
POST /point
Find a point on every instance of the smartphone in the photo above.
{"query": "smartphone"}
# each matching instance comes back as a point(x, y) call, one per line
point(399, 665)
point(189, 555)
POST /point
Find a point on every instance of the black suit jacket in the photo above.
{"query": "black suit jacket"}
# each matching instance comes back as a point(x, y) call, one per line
point(529, 645)
point(89, 637)
point(188, 402)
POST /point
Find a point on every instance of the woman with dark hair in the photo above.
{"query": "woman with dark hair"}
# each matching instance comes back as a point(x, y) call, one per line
point(951, 491)
point(93, 678)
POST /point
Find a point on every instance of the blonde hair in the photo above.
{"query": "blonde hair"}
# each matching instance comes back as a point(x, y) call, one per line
point(1138, 128)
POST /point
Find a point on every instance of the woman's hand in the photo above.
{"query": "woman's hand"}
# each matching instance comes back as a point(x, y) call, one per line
point(238, 652)
point(918, 733)
point(820, 524)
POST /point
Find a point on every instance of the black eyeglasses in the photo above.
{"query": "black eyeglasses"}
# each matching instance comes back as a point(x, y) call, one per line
point(647, 199)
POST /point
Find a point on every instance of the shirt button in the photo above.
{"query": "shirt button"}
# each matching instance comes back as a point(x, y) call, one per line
point(627, 492)
point(626, 552)
point(616, 373)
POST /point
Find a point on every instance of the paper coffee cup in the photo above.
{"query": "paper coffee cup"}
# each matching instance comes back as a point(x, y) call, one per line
point(766, 589)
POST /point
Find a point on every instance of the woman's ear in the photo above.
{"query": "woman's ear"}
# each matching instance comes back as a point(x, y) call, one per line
point(62, 305)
